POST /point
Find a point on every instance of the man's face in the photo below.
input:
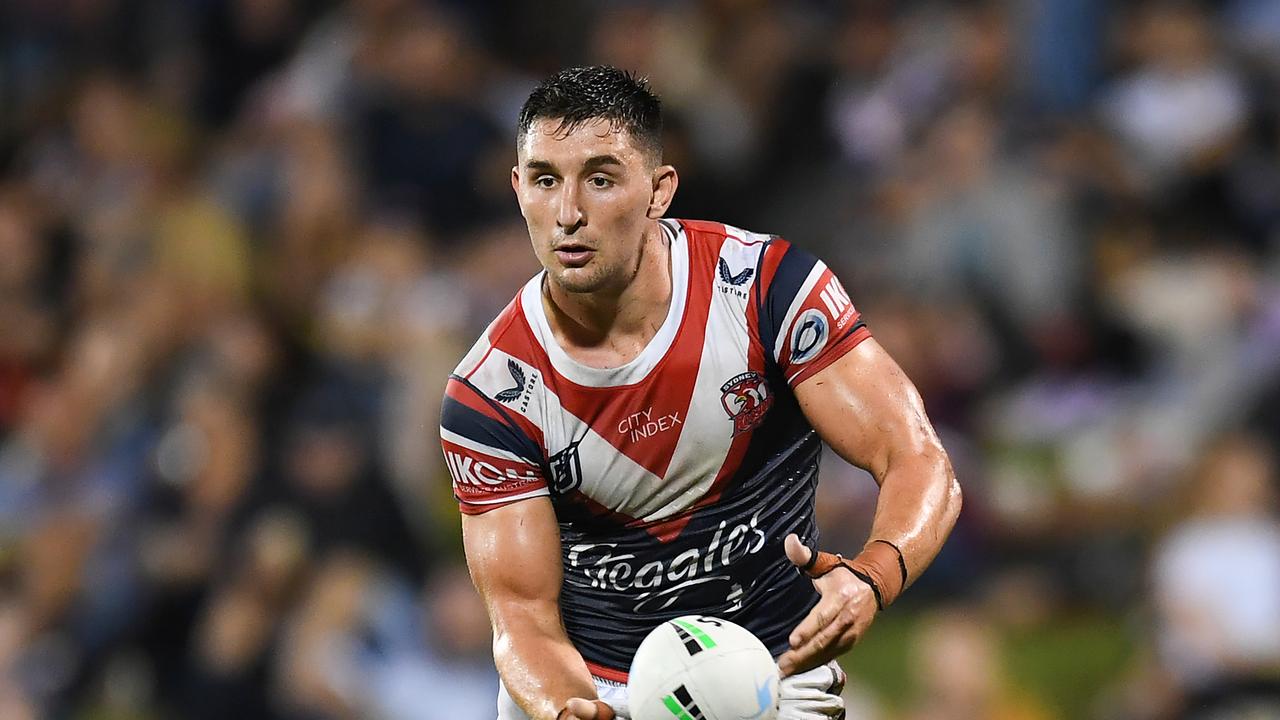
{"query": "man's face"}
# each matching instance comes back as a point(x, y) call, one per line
point(587, 197)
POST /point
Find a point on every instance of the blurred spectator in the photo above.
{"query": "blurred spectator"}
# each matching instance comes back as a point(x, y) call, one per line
point(1182, 102)
point(984, 224)
point(242, 244)
point(960, 674)
point(363, 650)
point(1216, 580)
point(28, 309)
point(330, 475)
point(241, 41)
point(230, 670)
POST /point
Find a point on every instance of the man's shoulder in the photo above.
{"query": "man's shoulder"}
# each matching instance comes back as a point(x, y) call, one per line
point(715, 232)
point(737, 259)
point(721, 244)
point(508, 332)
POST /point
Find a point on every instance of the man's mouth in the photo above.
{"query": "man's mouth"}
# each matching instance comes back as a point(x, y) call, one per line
point(574, 256)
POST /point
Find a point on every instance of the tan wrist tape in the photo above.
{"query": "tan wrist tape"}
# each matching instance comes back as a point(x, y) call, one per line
point(880, 565)
point(881, 561)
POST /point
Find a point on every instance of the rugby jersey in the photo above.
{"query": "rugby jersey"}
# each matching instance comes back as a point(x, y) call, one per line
point(676, 476)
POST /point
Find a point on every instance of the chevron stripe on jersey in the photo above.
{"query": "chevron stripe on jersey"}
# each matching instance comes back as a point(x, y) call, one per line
point(642, 409)
point(676, 476)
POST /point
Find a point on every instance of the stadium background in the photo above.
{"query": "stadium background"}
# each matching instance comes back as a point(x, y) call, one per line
point(242, 242)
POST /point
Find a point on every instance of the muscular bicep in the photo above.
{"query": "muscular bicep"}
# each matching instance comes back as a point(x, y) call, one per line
point(513, 553)
point(867, 410)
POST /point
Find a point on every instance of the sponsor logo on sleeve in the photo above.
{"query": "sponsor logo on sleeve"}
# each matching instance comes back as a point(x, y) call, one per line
point(731, 284)
point(523, 380)
point(739, 279)
point(835, 298)
point(512, 394)
point(809, 334)
point(837, 301)
point(473, 474)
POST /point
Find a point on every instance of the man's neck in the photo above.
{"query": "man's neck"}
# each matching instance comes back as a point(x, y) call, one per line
point(611, 326)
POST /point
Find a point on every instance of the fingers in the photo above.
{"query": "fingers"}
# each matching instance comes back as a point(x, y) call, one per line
point(829, 643)
point(833, 626)
point(811, 651)
point(823, 648)
point(819, 617)
point(583, 709)
point(797, 553)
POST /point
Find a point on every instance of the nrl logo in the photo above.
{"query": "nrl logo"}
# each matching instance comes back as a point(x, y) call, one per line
point(566, 469)
point(746, 398)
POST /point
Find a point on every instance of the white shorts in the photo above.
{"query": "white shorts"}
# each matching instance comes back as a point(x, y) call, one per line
point(811, 695)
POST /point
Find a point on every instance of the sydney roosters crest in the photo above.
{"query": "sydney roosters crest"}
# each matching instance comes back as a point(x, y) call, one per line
point(746, 398)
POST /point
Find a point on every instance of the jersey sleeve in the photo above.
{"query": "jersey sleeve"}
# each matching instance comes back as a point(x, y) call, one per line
point(806, 320)
point(493, 460)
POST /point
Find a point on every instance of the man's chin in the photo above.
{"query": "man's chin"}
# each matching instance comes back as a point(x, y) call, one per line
point(578, 280)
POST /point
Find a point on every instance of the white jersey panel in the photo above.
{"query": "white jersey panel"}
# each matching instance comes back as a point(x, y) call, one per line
point(608, 477)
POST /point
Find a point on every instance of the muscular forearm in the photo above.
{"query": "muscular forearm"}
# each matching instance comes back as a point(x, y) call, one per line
point(539, 666)
point(918, 506)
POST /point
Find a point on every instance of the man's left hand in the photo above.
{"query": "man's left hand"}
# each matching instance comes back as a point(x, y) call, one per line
point(846, 610)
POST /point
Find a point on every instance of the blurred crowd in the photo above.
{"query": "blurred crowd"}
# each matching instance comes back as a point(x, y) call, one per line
point(243, 242)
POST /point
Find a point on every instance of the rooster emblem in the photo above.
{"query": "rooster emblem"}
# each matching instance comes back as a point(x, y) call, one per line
point(746, 398)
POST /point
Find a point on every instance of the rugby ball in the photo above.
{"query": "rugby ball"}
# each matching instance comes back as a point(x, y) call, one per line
point(702, 668)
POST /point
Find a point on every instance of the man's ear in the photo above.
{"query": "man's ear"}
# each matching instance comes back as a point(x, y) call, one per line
point(665, 182)
point(515, 180)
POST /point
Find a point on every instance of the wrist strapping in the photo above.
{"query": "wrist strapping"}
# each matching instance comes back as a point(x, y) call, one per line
point(880, 565)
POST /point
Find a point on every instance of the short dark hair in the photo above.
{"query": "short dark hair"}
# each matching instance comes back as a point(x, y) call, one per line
point(579, 95)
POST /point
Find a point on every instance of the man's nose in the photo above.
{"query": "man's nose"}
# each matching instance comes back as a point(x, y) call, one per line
point(570, 215)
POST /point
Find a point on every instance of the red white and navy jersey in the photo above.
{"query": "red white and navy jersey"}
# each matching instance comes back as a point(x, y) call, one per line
point(676, 476)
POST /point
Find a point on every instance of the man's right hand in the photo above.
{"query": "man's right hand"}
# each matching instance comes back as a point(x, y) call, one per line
point(844, 612)
point(583, 709)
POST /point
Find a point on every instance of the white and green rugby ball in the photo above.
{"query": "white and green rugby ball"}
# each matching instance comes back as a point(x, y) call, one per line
point(702, 668)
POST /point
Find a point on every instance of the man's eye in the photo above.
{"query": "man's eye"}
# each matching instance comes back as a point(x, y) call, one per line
point(545, 181)
point(600, 182)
